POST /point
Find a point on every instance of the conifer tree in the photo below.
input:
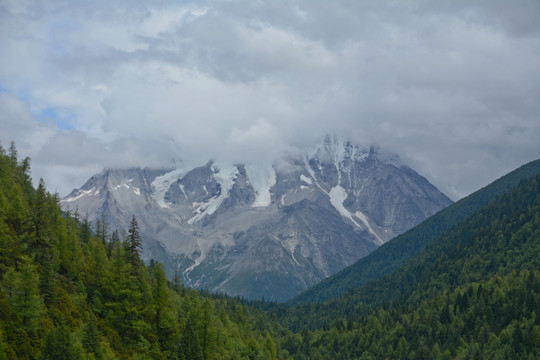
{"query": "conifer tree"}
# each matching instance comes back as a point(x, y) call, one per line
point(41, 244)
point(85, 229)
point(60, 345)
point(90, 340)
point(23, 296)
point(133, 244)
point(104, 233)
point(163, 316)
point(12, 153)
point(206, 324)
point(76, 214)
point(190, 345)
point(46, 279)
point(98, 229)
point(115, 241)
point(25, 167)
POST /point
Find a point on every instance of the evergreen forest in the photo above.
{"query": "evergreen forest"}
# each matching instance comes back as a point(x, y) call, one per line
point(74, 290)
point(66, 293)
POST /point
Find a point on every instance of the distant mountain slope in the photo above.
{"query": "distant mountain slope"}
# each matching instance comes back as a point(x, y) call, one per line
point(265, 230)
point(395, 253)
point(499, 239)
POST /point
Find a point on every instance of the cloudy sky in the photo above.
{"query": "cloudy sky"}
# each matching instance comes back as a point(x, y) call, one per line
point(453, 87)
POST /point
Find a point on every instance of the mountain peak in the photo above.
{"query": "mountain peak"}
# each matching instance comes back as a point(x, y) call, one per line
point(221, 224)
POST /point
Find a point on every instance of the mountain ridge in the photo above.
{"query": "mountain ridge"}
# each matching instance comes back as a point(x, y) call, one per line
point(217, 217)
point(395, 253)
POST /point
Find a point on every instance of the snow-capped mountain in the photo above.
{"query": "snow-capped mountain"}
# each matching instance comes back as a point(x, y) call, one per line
point(269, 230)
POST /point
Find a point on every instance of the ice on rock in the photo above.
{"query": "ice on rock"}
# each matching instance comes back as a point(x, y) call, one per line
point(80, 194)
point(337, 196)
point(306, 179)
point(360, 215)
point(161, 184)
point(226, 179)
point(262, 178)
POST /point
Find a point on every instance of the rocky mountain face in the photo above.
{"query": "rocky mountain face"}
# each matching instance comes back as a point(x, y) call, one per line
point(266, 231)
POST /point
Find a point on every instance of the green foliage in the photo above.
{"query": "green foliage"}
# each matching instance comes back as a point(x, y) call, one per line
point(133, 244)
point(468, 286)
point(474, 292)
point(488, 320)
point(90, 340)
point(60, 345)
point(65, 293)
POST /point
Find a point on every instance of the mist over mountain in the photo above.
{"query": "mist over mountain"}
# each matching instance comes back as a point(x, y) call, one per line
point(269, 230)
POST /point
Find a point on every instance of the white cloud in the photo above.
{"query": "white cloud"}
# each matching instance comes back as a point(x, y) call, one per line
point(453, 87)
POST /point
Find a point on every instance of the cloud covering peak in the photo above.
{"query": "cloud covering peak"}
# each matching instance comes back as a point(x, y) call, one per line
point(452, 87)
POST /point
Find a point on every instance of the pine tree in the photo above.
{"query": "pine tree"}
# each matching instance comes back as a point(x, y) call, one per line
point(115, 241)
point(160, 294)
point(178, 285)
point(163, 316)
point(39, 220)
point(190, 345)
point(85, 229)
point(206, 324)
point(90, 340)
point(104, 233)
point(96, 270)
point(124, 305)
point(25, 167)
point(133, 244)
point(12, 152)
point(22, 291)
point(46, 279)
point(60, 344)
point(76, 214)
point(98, 228)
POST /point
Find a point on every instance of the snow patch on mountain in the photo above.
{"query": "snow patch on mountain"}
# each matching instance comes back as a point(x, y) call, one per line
point(225, 178)
point(162, 183)
point(336, 147)
point(312, 174)
point(306, 179)
point(182, 188)
point(80, 194)
point(262, 178)
point(360, 215)
point(203, 245)
point(291, 245)
point(116, 187)
point(337, 196)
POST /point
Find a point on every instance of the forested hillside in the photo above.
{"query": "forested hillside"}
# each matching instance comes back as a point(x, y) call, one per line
point(67, 294)
point(395, 253)
point(474, 292)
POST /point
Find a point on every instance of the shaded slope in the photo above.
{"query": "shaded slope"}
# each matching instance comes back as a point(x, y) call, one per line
point(493, 319)
point(395, 253)
point(497, 240)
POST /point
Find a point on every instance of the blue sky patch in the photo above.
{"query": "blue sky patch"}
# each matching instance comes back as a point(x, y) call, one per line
point(63, 118)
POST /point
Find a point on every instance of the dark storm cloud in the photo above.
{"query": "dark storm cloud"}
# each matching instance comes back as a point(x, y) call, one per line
point(451, 86)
